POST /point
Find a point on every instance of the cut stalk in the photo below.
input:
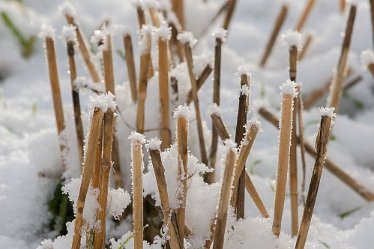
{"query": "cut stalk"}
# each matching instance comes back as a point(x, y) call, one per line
point(274, 34)
point(239, 134)
point(188, 54)
point(84, 50)
point(163, 78)
point(130, 63)
point(216, 100)
point(223, 205)
point(145, 61)
point(182, 142)
point(336, 85)
point(305, 14)
point(159, 171)
point(321, 147)
point(137, 183)
point(283, 156)
point(200, 82)
point(110, 87)
point(56, 93)
point(76, 102)
point(94, 134)
point(335, 169)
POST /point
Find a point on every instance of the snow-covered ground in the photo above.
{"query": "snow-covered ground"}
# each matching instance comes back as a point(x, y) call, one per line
point(29, 144)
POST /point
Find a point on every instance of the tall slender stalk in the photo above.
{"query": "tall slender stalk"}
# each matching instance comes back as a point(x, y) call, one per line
point(239, 134)
point(306, 46)
point(106, 163)
point(55, 87)
point(274, 34)
point(163, 78)
point(130, 63)
point(342, 5)
point(224, 199)
point(188, 54)
point(304, 15)
point(335, 169)
point(145, 61)
point(181, 115)
point(200, 81)
point(336, 85)
point(137, 184)
point(229, 14)
point(321, 148)
point(94, 134)
point(178, 8)
point(110, 87)
point(288, 95)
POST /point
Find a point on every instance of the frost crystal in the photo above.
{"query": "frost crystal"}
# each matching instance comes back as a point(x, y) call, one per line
point(292, 38)
point(326, 111)
point(187, 37)
point(153, 144)
point(289, 88)
point(214, 109)
point(69, 33)
point(230, 145)
point(67, 9)
point(220, 34)
point(135, 136)
point(122, 30)
point(47, 31)
point(254, 121)
point(143, 43)
point(245, 90)
point(118, 200)
point(367, 57)
point(163, 32)
point(182, 111)
point(243, 69)
point(104, 101)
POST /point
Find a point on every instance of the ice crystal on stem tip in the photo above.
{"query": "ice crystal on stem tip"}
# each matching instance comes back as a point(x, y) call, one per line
point(292, 38)
point(243, 70)
point(214, 109)
point(220, 34)
point(69, 33)
point(182, 111)
point(121, 30)
point(289, 88)
point(67, 9)
point(104, 101)
point(153, 144)
point(163, 32)
point(135, 136)
point(47, 31)
point(326, 111)
point(367, 57)
point(187, 37)
point(254, 121)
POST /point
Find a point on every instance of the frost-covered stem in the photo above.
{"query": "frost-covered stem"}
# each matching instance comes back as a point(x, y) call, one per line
point(304, 15)
point(85, 52)
point(137, 171)
point(293, 62)
point(335, 169)
point(145, 61)
point(250, 187)
point(200, 82)
point(93, 137)
point(188, 54)
point(106, 163)
point(130, 63)
point(55, 87)
point(342, 5)
point(182, 142)
point(178, 8)
point(220, 127)
point(76, 102)
point(163, 78)
point(336, 85)
point(229, 14)
point(216, 100)
point(110, 87)
point(372, 19)
point(159, 171)
point(321, 147)
point(274, 34)
point(283, 161)
point(223, 205)
point(306, 46)
point(239, 134)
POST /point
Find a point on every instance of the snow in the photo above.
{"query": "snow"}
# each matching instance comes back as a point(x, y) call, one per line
point(243, 69)
point(67, 9)
point(137, 137)
point(103, 101)
point(367, 57)
point(47, 31)
point(118, 200)
point(289, 88)
point(163, 32)
point(69, 33)
point(245, 90)
point(187, 37)
point(220, 34)
point(328, 112)
point(254, 121)
point(292, 38)
point(122, 30)
point(182, 111)
point(83, 83)
point(153, 144)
